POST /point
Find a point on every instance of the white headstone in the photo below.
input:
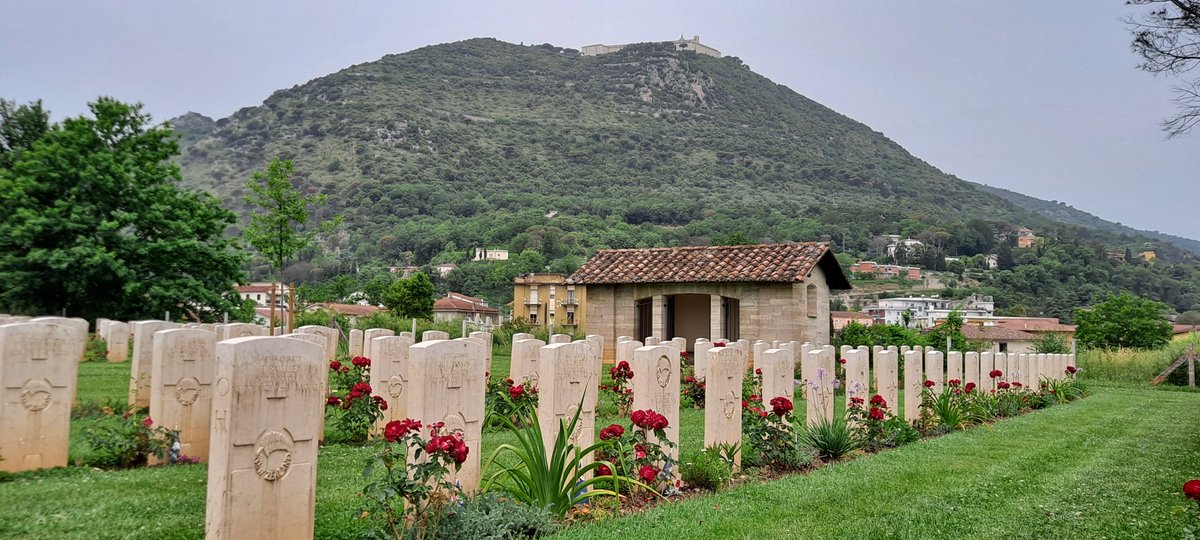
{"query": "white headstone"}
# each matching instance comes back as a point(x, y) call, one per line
point(182, 373)
point(143, 359)
point(446, 385)
point(38, 372)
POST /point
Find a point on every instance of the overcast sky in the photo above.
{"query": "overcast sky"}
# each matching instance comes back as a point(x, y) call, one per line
point(1040, 97)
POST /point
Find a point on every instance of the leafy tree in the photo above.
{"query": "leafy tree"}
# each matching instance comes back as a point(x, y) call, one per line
point(1123, 320)
point(96, 224)
point(1167, 36)
point(1189, 317)
point(411, 298)
point(1051, 343)
point(951, 328)
point(277, 228)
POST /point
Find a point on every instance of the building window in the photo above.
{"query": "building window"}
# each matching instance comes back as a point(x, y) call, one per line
point(571, 318)
point(533, 317)
point(643, 319)
point(1003, 347)
point(810, 300)
point(533, 296)
point(731, 318)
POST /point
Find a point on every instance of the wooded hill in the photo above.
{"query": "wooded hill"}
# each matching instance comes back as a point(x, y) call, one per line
point(483, 143)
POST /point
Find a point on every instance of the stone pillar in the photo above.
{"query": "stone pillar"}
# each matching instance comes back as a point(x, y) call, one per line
point(714, 317)
point(447, 386)
point(570, 387)
point(266, 413)
point(658, 317)
point(858, 381)
point(656, 387)
point(143, 359)
point(914, 381)
point(778, 374)
point(390, 376)
point(524, 365)
point(38, 372)
point(723, 400)
point(954, 366)
point(117, 341)
point(935, 366)
point(970, 368)
point(182, 374)
point(331, 338)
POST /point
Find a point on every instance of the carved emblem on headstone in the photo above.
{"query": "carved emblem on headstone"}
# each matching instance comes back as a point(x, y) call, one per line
point(663, 371)
point(395, 386)
point(35, 395)
point(273, 455)
point(187, 390)
point(729, 404)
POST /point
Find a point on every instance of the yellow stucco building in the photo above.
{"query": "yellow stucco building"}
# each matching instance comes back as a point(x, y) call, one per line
point(549, 301)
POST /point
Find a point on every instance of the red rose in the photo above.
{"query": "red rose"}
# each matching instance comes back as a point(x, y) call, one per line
point(755, 397)
point(638, 418)
point(639, 451)
point(333, 400)
point(1191, 490)
point(381, 402)
point(647, 473)
point(1072, 369)
point(719, 344)
point(856, 401)
point(1002, 385)
point(335, 366)
point(970, 387)
point(148, 422)
point(660, 422)
point(361, 361)
point(758, 371)
point(954, 382)
point(459, 453)
point(878, 401)
point(399, 428)
point(603, 470)
point(995, 374)
point(508, 382)
point(875, 414)
point(345, 369)
point(1017, 385)
point(614, 431)
point(841, 360)
point(354, 394)
point(781, 406)
point(516, 391)
point(929, 383)
point(362, 388)
point(683, 354)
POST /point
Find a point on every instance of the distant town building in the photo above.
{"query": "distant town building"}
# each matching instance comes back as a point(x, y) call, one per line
point(455, 306)
point(260, 293)
point(1038, 326)
point(351, 311)
point(444, 269)
point(918, 312)
point(1026, 238)
point(1148, 256)
point(680, 44)
point(999, 339)
point(886, 271)
point(843, 318)
point(483, 254)
point(549, 300)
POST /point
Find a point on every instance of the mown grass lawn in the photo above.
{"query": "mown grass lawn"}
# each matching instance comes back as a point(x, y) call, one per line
point(1109, 466)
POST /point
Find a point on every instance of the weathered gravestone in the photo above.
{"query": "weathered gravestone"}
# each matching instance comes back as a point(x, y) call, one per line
point(858, 367)
point(522, 335)
point(887, 378)
point(369, 336)
point(756, 353)
point(954, 367)
point(559, 338)
point(819, 381)
point(101, 327)
point(79, 324)
point(431, 335)
point(986, 382)
point(38, 370)
point(700, 358)
point(117, 341)
point(971, 368)
point(266, 414)
point(143, 359)
point(935, 369)
point(723, 400)
point(239, 330)
point(778, 374)
point(625, 351)
point(486, 339)
point(389, 375)
point(446, 385)
point(181, 376)
point(330, 335)
point(355, 343)
point(569, 386)
point(656, 387)
point(526, 355)
point(914, 383)
point(650, 341)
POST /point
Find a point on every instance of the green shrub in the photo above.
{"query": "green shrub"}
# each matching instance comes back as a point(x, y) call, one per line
point(707, 469)
point(493, 516)
point(125, 441)
point(97, 350)
point(831, 439)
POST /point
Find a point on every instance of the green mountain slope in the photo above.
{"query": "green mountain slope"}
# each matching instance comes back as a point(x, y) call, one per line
point(485, 143)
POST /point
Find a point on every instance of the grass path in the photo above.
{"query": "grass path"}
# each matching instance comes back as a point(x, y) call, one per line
point(1110, 466)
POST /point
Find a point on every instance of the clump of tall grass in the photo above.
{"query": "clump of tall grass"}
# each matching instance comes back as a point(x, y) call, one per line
point(1130, 367)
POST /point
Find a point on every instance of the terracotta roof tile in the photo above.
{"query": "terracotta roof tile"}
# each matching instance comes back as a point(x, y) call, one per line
point(354, 310)
point(778, 263)
point(993, 333)
point(461, 303)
